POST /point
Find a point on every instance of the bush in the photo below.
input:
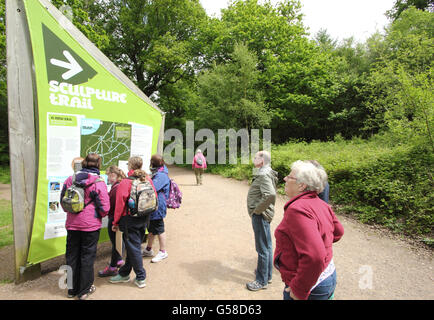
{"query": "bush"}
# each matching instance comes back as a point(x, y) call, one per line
point(378, 180)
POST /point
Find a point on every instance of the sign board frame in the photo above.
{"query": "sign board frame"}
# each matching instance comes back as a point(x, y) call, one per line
point(24, 124)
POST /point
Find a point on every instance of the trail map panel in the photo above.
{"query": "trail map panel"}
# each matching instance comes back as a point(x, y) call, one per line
point(111, 140)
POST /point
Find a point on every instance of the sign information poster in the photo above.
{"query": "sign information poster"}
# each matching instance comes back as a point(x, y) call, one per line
point(81, 107)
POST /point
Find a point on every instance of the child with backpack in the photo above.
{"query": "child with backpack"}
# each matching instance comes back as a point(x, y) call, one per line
point(85, 199)
point(161, 182)
point(114, 177)
point(199, 166)
point(131, 222)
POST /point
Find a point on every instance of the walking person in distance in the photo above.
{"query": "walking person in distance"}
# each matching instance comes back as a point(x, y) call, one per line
point(199, 166)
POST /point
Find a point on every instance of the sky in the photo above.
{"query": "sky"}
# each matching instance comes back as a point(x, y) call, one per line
point(341, 18)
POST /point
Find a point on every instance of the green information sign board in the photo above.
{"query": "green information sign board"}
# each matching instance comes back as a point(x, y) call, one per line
point(82, 106)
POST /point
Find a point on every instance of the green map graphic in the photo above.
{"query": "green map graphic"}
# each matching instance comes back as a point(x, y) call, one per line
point(112, 141)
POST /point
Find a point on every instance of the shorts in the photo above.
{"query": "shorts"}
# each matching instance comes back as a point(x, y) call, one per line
point(156, 226)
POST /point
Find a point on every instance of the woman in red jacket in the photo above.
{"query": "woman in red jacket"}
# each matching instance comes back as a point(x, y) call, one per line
point(304, 238)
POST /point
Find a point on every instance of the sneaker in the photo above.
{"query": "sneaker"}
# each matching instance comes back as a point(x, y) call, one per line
point(160, 256)
point(256, 286)
point(146, 253)
point(86, 295)
point(120, 263)
point(140, 283)
point(119, 279)
point(108, 272)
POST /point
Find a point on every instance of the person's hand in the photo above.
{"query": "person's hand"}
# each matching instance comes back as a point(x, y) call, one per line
point(291, 295)
point(115, 228)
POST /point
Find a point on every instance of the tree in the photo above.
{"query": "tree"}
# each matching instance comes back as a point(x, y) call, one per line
point(401, 5)
point(297, 78)
point(153, 42)
point(81, 13)
point(229, 96)
point(401, 85)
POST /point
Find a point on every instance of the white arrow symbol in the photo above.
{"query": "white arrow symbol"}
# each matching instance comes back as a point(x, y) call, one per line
point(72, 65)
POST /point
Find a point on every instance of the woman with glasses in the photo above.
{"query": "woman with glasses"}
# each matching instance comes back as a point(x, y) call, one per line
point(304, 238)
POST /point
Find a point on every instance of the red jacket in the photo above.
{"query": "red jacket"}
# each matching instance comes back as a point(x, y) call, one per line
point(304, 241)
point(112, 196)
point(122, 195)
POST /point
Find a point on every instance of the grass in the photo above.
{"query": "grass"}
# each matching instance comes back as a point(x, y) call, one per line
point(5, 175)
point(6, 229)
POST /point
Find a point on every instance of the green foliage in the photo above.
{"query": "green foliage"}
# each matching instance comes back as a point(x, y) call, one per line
point(402, 5)
point(6, 230)
point(155, 43)
point(230, 94)
point(379, 181)
point(400, 87)
point(81, 14)
point(4, 136)
point(5, 175)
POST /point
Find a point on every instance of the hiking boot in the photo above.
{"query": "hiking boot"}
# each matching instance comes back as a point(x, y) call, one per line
point(140, 283)
point(256, 286)
point(160, 256)
point(146, 253)
point(119, 279)
point(108, 272)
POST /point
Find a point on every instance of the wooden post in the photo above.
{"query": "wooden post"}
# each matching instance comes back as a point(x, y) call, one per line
point(160, 146)
point(22, 140)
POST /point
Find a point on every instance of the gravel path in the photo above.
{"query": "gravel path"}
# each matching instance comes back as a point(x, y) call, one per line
point(211, 256)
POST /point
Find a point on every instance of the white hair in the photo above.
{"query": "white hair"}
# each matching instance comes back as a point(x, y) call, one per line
point(313, 177)
point(198, 151)
point(266, 156)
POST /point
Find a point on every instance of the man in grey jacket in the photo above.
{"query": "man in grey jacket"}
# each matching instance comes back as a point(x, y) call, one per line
point(260, 204)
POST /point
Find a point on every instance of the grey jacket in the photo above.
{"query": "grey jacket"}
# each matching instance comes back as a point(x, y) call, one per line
point(262, 193)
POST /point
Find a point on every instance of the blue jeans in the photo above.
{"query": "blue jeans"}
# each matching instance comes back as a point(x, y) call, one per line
point(264, 248)
point(133, 232)
point(323, 291)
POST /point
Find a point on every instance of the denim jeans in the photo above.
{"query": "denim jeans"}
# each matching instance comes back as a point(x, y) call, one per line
point(264, 248)
point(323, 291)
point(133, 233)
point(80, 256)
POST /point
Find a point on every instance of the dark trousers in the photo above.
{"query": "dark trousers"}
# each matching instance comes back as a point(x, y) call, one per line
point(80, 256)
point(112, 235)
point(133, 233)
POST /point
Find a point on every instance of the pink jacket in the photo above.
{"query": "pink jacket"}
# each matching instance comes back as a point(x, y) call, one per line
point(90, 218)
point(194, 165)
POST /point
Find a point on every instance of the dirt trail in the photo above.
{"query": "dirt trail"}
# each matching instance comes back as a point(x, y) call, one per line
point(211, 256)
